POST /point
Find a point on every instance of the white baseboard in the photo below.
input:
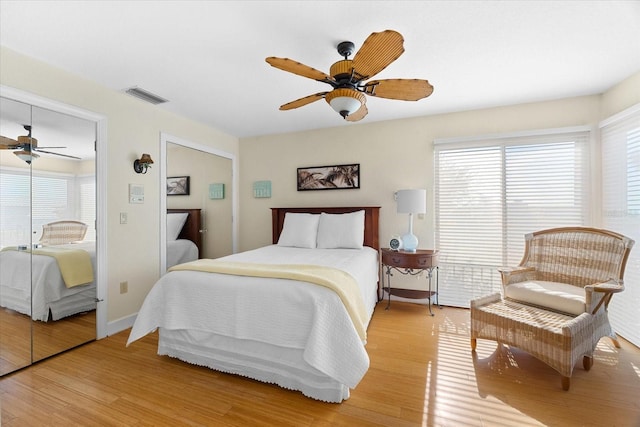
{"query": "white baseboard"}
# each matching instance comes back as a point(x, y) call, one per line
point(121, 324)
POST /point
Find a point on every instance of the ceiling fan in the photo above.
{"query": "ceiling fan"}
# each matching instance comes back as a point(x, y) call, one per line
point(348, 76)
point(28, 147)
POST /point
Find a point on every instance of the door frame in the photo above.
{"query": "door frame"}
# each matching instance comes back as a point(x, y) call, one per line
point(101, 188)
point(166, 138)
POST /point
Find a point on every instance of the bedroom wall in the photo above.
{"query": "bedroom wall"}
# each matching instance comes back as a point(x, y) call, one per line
point(394, 155)
point(133, 128)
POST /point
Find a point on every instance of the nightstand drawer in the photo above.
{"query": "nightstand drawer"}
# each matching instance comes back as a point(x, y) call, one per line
point(421, 259)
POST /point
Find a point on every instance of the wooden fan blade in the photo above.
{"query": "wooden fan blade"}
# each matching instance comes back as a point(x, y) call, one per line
point(294, 67)
point(359, 114)
point(377, 52)
point(57, 154)
point(403, 89)
point(303, 101)
point(8, 143)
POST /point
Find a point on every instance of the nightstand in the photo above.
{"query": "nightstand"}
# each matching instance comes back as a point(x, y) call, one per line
point(413, 264)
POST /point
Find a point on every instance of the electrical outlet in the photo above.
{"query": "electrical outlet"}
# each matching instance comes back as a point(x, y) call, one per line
point(123, 217)
point(124, 287)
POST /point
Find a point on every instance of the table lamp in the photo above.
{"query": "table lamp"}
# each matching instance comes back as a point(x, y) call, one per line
point(411, 202)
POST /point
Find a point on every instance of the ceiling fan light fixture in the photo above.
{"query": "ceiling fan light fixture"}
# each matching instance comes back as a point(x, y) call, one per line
point(26, 156)
point(345, 101)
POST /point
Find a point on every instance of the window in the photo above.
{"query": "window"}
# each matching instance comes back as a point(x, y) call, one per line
point(490, 192)
point(32, 200)
point(88, 205)
point(620, 136)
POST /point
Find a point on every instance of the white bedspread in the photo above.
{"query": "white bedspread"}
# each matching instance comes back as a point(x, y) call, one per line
point(283, 313)
point(33, 285)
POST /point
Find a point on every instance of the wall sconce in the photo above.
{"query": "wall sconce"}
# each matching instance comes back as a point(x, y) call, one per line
point(142, 164)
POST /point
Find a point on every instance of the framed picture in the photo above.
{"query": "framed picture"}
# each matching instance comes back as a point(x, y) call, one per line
point(338, 177)
point(178, 186)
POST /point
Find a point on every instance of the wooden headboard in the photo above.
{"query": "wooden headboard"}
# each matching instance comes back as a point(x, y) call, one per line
point(371, 224)
point(191, 228)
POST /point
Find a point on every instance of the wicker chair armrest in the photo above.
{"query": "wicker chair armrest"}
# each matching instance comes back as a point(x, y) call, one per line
point(612, 286)
point(515, 274)
point(605, 291)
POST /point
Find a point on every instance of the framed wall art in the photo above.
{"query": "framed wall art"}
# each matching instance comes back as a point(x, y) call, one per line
point(178, 186)
point(338, 177)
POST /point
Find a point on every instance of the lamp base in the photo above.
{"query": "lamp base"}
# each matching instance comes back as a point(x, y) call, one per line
point(409, 243)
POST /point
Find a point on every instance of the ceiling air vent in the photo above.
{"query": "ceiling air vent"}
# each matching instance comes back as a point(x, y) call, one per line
point(145, 95)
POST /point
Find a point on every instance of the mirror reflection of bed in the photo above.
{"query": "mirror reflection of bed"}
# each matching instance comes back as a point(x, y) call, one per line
point(49, 288)
point(205, 167)
point(47, 189)
point(184, 236)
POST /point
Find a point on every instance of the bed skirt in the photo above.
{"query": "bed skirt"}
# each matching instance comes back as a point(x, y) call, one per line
point(259, 361)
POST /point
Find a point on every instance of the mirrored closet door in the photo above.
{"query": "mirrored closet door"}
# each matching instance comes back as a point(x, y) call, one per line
point(47, 233)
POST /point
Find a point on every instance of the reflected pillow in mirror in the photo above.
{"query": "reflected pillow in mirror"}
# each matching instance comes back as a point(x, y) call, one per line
point(175, 222)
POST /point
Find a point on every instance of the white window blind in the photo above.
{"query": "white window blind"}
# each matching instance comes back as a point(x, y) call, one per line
point(620, 137)
point(88, 205)
point(15, 209)
point(490, 192)
point(30, 201)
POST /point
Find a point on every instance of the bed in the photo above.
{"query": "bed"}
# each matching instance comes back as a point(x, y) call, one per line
point(184, 237)
point(285, 331)
point(32, 283)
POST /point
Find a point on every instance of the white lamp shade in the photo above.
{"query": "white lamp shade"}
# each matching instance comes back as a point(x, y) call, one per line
point(412, 201)
point(345, 103)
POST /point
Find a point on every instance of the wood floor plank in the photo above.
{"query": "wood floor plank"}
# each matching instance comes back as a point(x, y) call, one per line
point(422, 373)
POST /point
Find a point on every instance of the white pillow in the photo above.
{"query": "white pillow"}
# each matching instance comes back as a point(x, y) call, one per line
point(341, 230)
point(299, 230)
point(175, 222)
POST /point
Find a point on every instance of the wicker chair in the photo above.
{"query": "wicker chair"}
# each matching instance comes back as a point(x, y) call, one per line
point(554, 304)
point(62, 232)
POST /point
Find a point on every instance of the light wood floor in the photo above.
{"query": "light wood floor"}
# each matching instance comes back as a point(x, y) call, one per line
point(22, 339)
point(422, 374)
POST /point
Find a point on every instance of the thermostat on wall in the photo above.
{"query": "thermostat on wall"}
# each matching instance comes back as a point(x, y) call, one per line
point(136, 193)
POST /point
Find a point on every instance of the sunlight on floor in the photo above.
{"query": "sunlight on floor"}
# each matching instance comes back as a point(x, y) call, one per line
point(636, 368)
point(452, 395)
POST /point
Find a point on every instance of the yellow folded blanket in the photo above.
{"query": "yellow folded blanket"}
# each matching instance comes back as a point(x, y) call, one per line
point(341, 282)
point(74, 264)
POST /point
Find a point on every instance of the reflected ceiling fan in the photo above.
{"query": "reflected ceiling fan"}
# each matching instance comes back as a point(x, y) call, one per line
point(348, 76)
point(28, 147)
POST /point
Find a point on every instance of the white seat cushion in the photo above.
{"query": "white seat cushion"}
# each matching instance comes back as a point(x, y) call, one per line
point(556, 296)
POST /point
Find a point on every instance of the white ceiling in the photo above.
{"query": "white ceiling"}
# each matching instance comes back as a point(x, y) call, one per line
point(208, 57)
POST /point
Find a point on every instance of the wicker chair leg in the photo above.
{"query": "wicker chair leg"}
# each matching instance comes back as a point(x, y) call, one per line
point(566, 381)
point(474, 343)
point(587, 362)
